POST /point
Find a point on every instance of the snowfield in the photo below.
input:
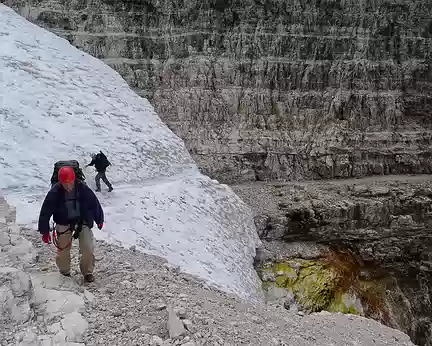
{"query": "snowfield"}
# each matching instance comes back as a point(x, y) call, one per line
point(58, 103)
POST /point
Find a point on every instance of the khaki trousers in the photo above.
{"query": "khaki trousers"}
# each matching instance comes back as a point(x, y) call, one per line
point(86, 247)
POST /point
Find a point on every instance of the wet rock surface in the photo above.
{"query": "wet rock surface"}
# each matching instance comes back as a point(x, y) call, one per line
point(384, 223)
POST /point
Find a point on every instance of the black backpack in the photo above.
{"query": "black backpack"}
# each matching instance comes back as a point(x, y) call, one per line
point(104, 163)
point(72, 163)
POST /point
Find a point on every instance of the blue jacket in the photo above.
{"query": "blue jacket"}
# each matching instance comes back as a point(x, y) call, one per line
point(55, 205)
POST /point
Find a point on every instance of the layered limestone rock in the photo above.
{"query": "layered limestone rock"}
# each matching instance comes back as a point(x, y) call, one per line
point(270, 89)
point(36, 308)
point(383, 224)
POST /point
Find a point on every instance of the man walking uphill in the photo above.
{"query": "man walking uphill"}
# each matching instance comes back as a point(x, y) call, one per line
point(74, 208)
point(101, 163)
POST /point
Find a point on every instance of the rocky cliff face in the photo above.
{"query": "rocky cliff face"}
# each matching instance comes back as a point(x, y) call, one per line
point(374, 246)
point(291, 90)
point(163, 306)
point(270, 89)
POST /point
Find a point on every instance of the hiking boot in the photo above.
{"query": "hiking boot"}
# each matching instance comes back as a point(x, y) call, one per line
point(110, 189)
point(65, 274)
point(89, 278)
point(98, 190)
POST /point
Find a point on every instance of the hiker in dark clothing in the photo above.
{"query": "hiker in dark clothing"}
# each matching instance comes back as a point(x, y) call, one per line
point(74, 208)
point(101, 163)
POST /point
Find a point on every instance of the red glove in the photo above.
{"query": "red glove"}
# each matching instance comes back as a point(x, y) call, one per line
point(46, 238)
point(100, 225)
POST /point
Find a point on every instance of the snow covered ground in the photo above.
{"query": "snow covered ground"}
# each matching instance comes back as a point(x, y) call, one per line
point(58, 103)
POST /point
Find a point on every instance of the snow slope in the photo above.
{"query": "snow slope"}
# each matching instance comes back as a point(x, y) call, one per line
point(59, 103)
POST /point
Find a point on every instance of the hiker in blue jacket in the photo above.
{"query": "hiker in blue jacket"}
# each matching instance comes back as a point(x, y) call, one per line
point(75, 208)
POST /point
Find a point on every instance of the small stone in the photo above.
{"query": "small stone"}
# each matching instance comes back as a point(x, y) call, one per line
point(161, 307)
point(133, 248)
point(189, 343)
point(89, 296)
point(324, 313)
point(156, 341)
point(117, 313)
point(143, 329)
point(181, 312)
point(185, 340)
point(182, 296)
point(110, 288)
point(256, 319)
point(74, 326)
point(175, 325)
point(141, 284)
point(54, 328)
point(300, 313)
point(187, 324)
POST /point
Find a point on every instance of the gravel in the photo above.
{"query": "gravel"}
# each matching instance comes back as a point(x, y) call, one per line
point(139, 299)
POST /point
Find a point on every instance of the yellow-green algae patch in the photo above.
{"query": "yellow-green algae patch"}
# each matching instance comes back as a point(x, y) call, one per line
point(347, 303)
point(312, 283)
point(331, 285)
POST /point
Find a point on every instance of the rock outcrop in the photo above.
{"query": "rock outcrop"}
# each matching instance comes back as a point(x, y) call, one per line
point(40, 307)
point(367, 238)
point(36, 308)
point(264, 90)
point(283, 90)
point(139, 299)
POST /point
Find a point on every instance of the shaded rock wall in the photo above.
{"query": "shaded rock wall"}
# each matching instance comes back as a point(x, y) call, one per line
point(386, 223)
point(270, 89)
point(337, 280)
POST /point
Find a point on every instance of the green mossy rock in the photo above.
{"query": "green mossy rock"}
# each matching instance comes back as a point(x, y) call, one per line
point(347, 303)
point(337, 285)
point(312, 283)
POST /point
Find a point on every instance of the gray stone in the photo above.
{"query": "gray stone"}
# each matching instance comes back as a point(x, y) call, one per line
point(89, 296)
point(188, 324)
point(156, 341)
point(181, 312)
point(189, 343)
point(53, 303)
point(15, 296)
point(74, 325)
point(175, 325)
point(161, 306)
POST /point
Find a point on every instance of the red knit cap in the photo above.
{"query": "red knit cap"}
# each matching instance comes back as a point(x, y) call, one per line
point(66, 175)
